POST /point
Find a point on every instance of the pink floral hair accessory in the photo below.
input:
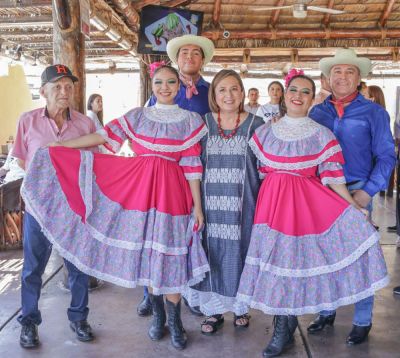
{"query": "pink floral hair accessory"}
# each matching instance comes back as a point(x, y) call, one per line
point(292, 73)
point(153, 66)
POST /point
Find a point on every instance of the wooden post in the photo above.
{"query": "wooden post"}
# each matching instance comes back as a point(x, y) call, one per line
point(69, 50)
point(145, 81)
point(69, 45)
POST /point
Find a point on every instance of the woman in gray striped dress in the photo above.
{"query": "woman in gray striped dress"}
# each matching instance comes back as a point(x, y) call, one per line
point(229, 191)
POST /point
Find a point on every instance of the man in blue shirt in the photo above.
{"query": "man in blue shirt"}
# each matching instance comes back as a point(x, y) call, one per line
point(190, 53)
point(362, 128)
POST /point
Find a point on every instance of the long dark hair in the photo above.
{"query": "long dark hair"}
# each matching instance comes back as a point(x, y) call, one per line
point(376, 93)
point(90, 107)
point(282, 105)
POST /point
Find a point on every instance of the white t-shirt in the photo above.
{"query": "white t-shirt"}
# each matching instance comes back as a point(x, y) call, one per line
point(267, 111)
point(95, 119)
point(251, 109)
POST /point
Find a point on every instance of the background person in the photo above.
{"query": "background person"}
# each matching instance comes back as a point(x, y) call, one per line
point(274, 107)
point(95, 110)
point(253, 105)
point(324, 92)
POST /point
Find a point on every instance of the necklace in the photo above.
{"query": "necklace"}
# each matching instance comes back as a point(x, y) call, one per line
point(234, 131)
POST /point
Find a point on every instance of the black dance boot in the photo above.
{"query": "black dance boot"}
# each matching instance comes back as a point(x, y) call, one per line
point(156, 331)
point(176, 330)
point(292, 324)
point(281, 339)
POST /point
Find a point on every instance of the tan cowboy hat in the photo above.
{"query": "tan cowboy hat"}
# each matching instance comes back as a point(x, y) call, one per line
point(203, 42)
point(345, 56)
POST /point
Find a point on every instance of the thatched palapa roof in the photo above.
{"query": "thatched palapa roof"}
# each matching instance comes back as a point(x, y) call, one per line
point(259, 40)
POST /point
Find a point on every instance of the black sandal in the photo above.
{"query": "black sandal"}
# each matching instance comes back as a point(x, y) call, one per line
point(215, 325)
point(244, 316)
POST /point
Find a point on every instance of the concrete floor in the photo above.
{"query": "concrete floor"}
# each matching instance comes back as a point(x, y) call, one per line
point(121, 333)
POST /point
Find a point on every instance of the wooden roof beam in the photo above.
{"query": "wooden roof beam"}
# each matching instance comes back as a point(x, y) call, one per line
point(28, 20)
point(275, 14)
point(175, 3)
point(327, 17)
point(305, 34)
point(140, 4)
point(25, 3)
point(17, 24)
point(216, 12)
point(282, 58)
point(386, 13)
point(104, 18)
point(129, 12)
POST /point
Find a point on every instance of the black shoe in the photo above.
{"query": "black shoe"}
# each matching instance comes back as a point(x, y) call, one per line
point(358, 334)
point(194, 310)
point(176, 330)
point(320, 322)
point(392, 228)
point(376, 227)
point(29, 337)
point(83, 330)
point(157, 328)
point(281, 338)
point(396, 290)
point(144, 308)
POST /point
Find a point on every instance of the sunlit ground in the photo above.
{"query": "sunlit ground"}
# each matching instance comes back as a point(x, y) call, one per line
point(10, 274)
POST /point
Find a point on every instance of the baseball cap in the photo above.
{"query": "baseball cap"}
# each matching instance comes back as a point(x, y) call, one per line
point(54, 72)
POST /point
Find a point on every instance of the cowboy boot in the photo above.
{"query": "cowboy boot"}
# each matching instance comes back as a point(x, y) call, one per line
point(156, 330)
point(176, 330)
point(292, 323)
point(281, 338)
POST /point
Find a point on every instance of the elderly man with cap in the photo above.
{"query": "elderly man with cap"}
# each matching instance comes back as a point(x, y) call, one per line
point(190, 53)
point(363, 131)
point(55, 122)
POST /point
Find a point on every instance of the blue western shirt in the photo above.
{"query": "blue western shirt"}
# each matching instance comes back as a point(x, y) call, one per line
point(198, 103)
point(364, 135)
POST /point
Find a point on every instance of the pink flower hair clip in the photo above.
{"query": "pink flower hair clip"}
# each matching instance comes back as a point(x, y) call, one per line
point(153, 66)
point(292, 73)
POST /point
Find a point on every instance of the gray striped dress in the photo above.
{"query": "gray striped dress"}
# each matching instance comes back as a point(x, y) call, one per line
point(229, 193)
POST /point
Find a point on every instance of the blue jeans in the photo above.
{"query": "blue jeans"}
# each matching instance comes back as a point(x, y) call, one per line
point(362, 309)
point(37, 250)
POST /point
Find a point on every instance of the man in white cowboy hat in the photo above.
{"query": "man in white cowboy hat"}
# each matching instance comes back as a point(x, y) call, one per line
point(363, 131)
point(190, 53)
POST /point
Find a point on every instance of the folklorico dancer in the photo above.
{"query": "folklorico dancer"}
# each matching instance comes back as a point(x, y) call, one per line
point(131, 219)
point(311, 247)
point(190, 53)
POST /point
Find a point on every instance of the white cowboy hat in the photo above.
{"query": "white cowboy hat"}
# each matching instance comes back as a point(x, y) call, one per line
point(345, 56)
point(203, 42)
